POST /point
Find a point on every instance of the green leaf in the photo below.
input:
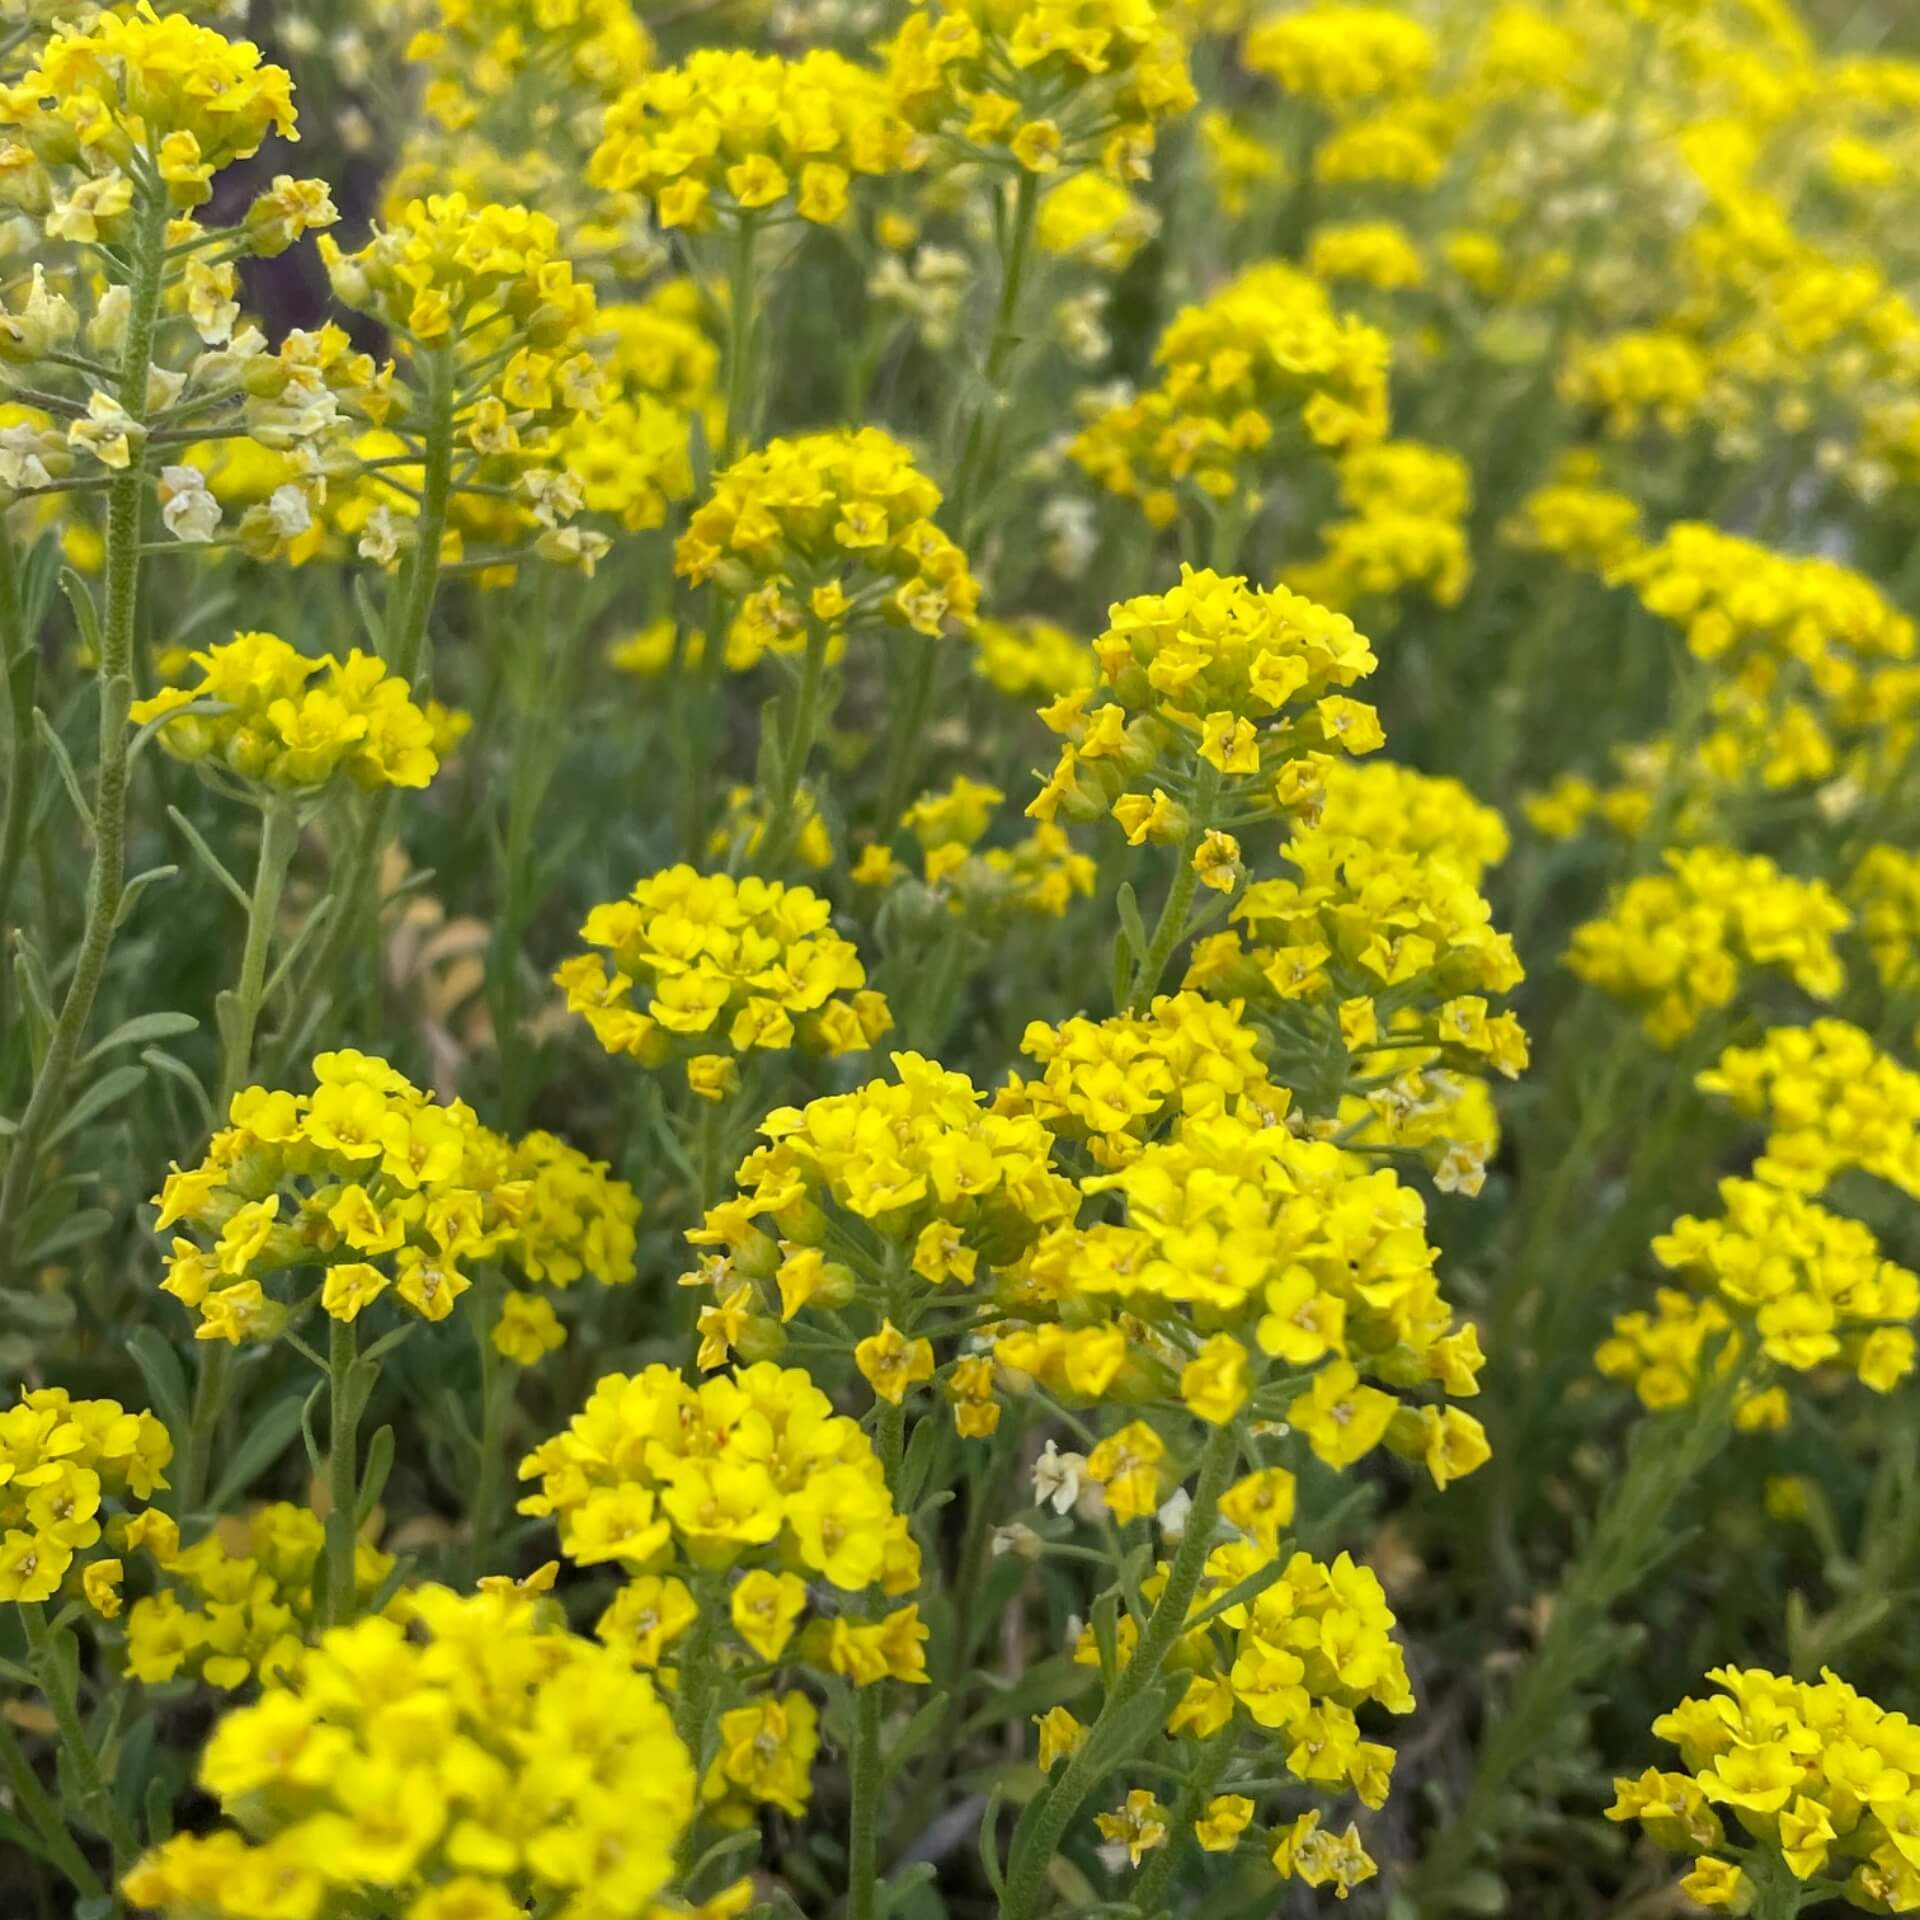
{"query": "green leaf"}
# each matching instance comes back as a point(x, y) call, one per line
point(1122, 982)
point(132, 892)
point(1127, 903)
point(107, 1091)
point(137, 1031)
point(1237, 1595)
point(166, 1378)
point(42, 1315)
point(209, 859)
point(913, 1469)
point(990, 1840)
point(314, 1455)
point(373, 1475)
point(180, 1071)
point(265, 1441)
point(918, 1731)
point(298, 945)
point(86, 617)
point(76, 1230)
point(159, 1810)
point(159, 720)
point(63, 763)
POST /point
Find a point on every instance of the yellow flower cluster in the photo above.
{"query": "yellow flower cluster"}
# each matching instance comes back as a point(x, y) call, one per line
point(238, 1603)
point(1405, 530)
point(1815, 1777)
point(1111, 1081)
point(1884, 892)
point(1805, 1287)
point(1832, 1100)
point(479, 50)
point(752, 1465)
point(1632, 378)
point(1769, 613)
point(735, 135)
point(61, 1460)
point(1032, 657)
point(1593, 529)
point(377, 1185)
point(831, 528)
point(1342, 57)
point(468, 1760)
point(919, 1164)
point(1399, 808)
point(177, 94)
point(1045, 83)
point(1373, 253)
point(477, 277)
point(1242, 676)
point(1265, 355)
point(1675, 944)
point(633, 455)
point(257, 713)
point(1364, 917)
point(1296, 1255)
point(751, 962)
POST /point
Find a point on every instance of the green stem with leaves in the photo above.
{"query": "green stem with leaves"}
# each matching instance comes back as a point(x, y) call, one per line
point(1172, 924)
point(17, 672)
point(495, 1395)
point(864, 1770)
point(239, 1011)
point(32, 1799)
point(343, 1477)
point(409, 620)
point(106, 882)
point(1181, 1840)
point(56, 1665)
point(1040, 1829)
point(1667, 1454)
point(803, 724)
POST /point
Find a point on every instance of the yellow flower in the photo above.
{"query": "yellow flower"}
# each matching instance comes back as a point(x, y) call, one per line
point(1225, 1819)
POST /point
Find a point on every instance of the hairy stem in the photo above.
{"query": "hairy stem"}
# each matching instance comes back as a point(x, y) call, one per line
point(343, 1477)
point(279, 835)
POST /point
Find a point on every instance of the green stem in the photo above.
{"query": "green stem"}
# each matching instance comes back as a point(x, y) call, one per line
point(209, 1396)
point(32, 1799)
point(1207, 1769)
point(696, 1667)
point(916, 706)
point(356, 909)
point(1668, 1453)
point(493, 1418)
point(279, 835)
point(343, 1520)
point(24, 754)
point(736, 430)
point(95, 1794)
point(803, 722)
point(105, 884)
point(1034, 1845)
point(1172, 923)
point(864, 1773)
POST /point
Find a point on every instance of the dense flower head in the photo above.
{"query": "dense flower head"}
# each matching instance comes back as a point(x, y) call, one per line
point(1594, 529)
point(470, 1759)
point(240, 1602)
point(731, 134)
point(1406, 529)
point(479, 50)
point(1804, 1287)
point(1032, 656)
point(1373, 253)
point(61, 1461)
point(447, 270)
point(1046, 83)
point(1884, 892)
point(1364, 918)
point(283, 718)
point(368, 1183)
point(1809, 1775)
point(1391, 805)
point(1111, 1081)
point(749, 1468)
point(1768, 614)
point(1252, 1267)
point(1342, 57)
point(1242, 677)
point(1833, 1100)
point(1677, 944)
point(180, 95)
point(833, 528)
point(1633, 377)
point(704, 960)
point(1243, 375)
